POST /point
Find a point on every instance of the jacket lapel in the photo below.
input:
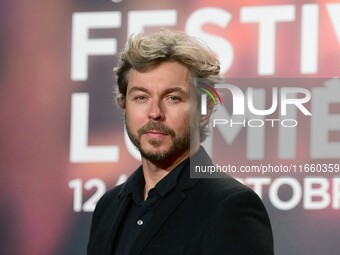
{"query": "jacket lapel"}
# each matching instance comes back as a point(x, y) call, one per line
point(122, 206)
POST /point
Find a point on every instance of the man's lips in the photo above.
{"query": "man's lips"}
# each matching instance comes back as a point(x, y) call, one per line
point(155, 133)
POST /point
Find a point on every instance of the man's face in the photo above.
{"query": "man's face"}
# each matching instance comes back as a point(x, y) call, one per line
point(157, 112)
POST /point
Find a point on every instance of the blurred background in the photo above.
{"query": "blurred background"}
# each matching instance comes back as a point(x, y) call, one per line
point(62, 136)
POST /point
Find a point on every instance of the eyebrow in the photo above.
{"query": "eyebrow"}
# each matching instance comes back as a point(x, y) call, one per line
point(175, 89)
point(133, 89)
point(167, 91)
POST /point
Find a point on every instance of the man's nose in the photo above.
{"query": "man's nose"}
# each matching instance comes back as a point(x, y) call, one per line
point(156, 112)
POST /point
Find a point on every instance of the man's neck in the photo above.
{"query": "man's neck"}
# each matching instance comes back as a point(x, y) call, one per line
point(155, 171)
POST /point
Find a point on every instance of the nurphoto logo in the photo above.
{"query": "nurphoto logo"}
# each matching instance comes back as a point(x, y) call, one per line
point(244, 104)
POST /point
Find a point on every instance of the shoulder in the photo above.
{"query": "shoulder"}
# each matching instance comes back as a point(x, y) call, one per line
point(237, 212)
point(111, 194)
point(114, 192)
point(229, 195)
point(106, 201)
point(222, 189)
point(216, 187)
point(225, 195)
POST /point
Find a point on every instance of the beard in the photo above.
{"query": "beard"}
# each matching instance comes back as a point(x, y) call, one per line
point(179, 142)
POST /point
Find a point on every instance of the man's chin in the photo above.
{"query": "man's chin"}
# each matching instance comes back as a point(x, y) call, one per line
point(155, 142)
point(154, 157)
point(163, 149)
point(158, 149)
point(158, 153)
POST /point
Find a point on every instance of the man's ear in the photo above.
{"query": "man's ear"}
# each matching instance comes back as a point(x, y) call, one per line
point(121, 101)
point(204, 119)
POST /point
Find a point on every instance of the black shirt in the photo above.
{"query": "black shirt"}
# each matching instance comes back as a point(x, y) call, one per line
point(141, 212)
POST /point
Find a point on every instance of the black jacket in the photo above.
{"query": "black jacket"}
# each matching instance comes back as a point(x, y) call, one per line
point(200, 216)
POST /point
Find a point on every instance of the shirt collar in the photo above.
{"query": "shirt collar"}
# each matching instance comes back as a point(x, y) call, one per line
point(134, 185)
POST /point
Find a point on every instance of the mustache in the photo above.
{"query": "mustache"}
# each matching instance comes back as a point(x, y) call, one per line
point(157, 127)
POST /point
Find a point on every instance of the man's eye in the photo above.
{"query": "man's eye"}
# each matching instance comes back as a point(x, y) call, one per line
point(140, 98)
point(174, 98)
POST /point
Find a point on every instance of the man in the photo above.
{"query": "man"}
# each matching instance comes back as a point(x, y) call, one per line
point(160, 209)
